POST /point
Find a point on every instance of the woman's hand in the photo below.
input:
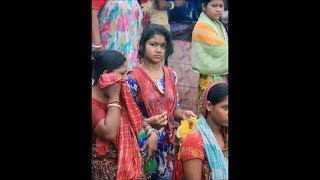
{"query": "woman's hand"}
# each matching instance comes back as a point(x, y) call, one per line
point(152, 145)
point(112, 92)
point(158, 121)
point(187, 114)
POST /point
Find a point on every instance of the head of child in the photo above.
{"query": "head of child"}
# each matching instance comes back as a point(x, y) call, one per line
point(107, 61)
point(155, 44)
point(213, 8)
point(216, 104)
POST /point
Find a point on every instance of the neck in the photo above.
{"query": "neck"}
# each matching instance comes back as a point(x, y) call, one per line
point(97, 94)
point(152, 67)
point(213, 126)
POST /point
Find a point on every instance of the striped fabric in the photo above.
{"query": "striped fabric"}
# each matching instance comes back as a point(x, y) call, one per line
point(217, 163)
point(129, 157)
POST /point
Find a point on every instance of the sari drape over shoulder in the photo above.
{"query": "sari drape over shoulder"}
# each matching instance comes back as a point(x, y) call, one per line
point(156, 101)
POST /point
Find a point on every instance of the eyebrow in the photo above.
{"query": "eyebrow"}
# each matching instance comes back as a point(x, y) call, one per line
point(157, 42)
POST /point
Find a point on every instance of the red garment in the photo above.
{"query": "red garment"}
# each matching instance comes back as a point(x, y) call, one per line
point(154, 100)
point(98, 4)
point(129, 157)
point(99, 112)
point(193, 148)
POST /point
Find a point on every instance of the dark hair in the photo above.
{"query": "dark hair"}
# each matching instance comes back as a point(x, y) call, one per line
point(218, 93)
point(225, 3)
point(106, 60)
point(148, 32)
point(205, 2)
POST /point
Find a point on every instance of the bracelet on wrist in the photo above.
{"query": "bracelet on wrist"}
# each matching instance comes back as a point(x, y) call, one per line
point(96, 46)
point(150, 130)
point(115, 105)
point(114, 101)
point(172, 5)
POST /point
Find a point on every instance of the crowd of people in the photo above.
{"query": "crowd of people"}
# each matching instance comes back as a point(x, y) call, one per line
point(135, 99)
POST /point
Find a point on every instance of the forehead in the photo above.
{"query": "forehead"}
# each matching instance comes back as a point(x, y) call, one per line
point(159, 38)
point(216, 2)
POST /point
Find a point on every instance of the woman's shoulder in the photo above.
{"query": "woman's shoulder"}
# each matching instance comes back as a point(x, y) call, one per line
point(192, 146)
point(193, 137)
point(174, 73)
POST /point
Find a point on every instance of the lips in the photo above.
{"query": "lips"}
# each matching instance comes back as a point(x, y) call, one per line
point(158, 57)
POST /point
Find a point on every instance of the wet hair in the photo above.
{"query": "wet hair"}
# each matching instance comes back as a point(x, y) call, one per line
point(218, 93)
point(148, 32)
point(106, 60)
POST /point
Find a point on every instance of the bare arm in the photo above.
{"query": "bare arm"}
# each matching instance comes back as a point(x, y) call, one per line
point(108, 127)
point(192, 169)
point(95, 27)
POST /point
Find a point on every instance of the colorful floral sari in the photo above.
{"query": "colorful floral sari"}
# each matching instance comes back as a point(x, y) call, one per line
point(120, 28)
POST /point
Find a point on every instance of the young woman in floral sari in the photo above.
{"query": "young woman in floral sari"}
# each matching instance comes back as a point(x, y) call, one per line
point(154, 88)
point(204, 152)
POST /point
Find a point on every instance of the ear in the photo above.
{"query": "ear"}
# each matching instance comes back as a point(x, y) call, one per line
point(209, 106)
point(203, 7)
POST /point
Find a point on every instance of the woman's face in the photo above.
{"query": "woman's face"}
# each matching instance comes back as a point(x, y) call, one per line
point(219, 112)
point(122, 70)
point(213, 9)
point(155, 49)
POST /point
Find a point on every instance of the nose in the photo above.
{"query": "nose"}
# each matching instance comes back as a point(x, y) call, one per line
point(158, 49)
